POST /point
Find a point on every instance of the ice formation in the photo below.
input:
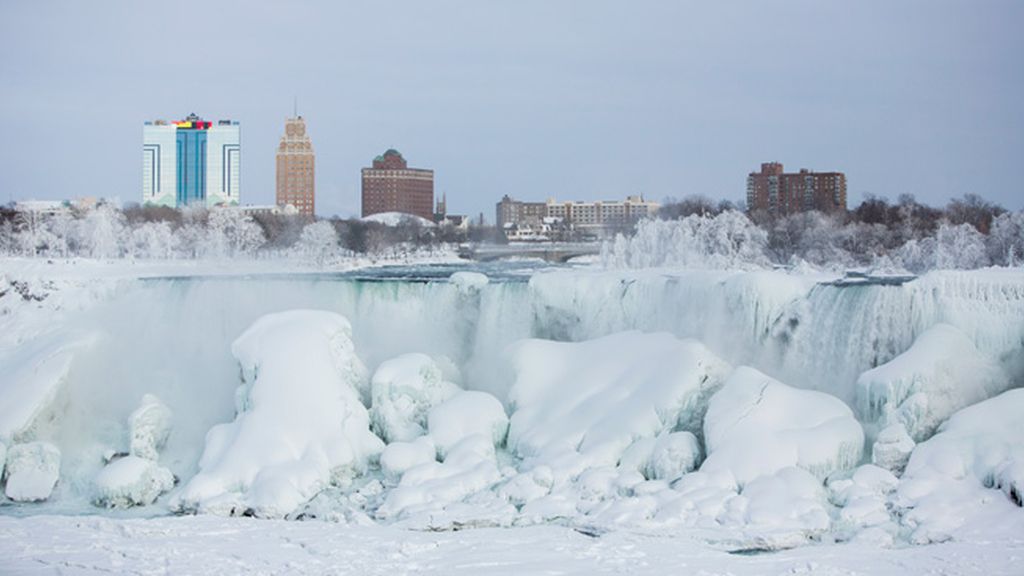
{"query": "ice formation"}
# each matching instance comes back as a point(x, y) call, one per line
point(403, 391)
point(300, 423)
point(756, 425)
point(941, 373)
point(32, 471)
point(468, 282)
point(398, 457)
point(150, 426)
point(892, 448)
point(131, 481)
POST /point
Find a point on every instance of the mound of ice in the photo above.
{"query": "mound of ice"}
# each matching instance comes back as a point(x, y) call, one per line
point(598, 397)
point(403, 391)
point(941, 373)
point(32, 471)
point(3, 459)
point(756, 425)
point(131, 481)
point(949, 476)
point(150, 425)
point(468, 281)
point(863, 502)
point(398, 457)
point(300, 423)
point(465, 414)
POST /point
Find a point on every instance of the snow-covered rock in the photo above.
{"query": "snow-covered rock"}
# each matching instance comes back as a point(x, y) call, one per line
point(598, 397)
point(150, 425)
point(892, 448)
point(398, 457)
point(941, 373)
point(300, 424)
point(131, 481)
point(950, 477)
point(403, 391)
point(756, 425)
point(32, 471)
point(863, 501)
point(465, 414)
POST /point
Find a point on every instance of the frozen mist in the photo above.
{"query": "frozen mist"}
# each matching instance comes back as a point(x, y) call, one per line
point(579, 401)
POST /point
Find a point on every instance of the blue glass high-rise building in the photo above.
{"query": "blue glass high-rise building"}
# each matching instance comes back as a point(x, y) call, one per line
point(191, 162)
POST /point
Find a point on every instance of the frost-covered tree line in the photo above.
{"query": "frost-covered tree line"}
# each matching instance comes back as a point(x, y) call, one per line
point(107, 232)
point(968, 233)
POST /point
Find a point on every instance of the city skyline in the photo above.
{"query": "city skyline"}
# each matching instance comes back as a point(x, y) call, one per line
point(598, 100)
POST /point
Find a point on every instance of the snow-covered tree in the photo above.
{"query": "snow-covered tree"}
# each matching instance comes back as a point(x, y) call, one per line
point(103, 232)
point(1006, 240)
point(153, 240)
point(232, 232)
point(318, 242)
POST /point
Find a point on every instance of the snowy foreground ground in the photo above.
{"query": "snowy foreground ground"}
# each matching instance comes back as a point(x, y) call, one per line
point(210, 545)
point(175, 418)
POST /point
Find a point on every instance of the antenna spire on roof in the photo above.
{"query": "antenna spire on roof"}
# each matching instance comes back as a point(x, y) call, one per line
point(296, 107)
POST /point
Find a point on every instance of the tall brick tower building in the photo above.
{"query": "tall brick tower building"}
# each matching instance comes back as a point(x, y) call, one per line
point(780, 193)
point(296, 183)
point(391, 186)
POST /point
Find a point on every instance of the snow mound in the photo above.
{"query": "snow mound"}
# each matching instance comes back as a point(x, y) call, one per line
point(599, 396)
point(432, 491)
point(32, 471)
point(949, 476)
point(756, 425)
point(941, 373)
point(300, 424)
point(863, 503)
point(150, 426)
point(3, 459)
point(397, 219)
point(467, 282)
point(465, 414)
point(398, 457)
point(131, 481)
point(403, 391)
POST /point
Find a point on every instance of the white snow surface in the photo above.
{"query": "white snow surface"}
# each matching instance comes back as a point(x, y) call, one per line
point(212, 546)
point(941, 373)
point(300, 423)
point(756, 425)
point(32, 471)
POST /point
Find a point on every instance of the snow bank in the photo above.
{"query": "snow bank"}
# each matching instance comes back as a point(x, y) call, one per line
point(756, 425)
point(892, 448)
point(941, 373)
point(32, 471)
point(948, 477)
point(598, 397)
point(397, 219)
point(131, 481)
point(466, 414)
point(300, 423)
point(150, 425)
point(673, 455)
point(403, 391)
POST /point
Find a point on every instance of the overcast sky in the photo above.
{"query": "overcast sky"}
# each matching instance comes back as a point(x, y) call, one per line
point(535, 99)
